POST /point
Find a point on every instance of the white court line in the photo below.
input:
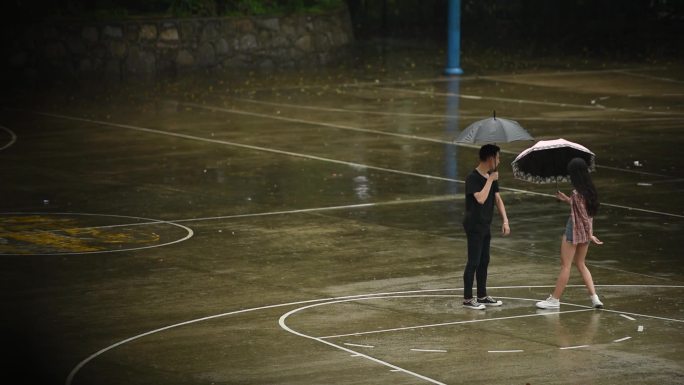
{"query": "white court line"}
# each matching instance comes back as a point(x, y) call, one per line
point(532, 102)
point(313, 157)
point(448, 79)
point(283, 325)
point(319, 209)
point(81, 364)
point(13, 137)
point(361, 84)
point(379, 132)
point(643, 315)
point(189, 231)
point(320, 123)
point(572, 73)
point(310, 210)
point(628, 317)
point(359, 345)
point(346, 110)
point(622, 339)
point(630, 73)
point(632, 171)
point(678, 180)
point(573, 347)
point(430, 350)
point(88, 359)
point(596, 265)
point(351, 128)
point(415, 327)
point(506, 351)
point(441, 116)
point(251, 215)
point(521, 81)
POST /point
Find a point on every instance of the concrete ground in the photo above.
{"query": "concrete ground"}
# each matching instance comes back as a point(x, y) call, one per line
point(304, 228)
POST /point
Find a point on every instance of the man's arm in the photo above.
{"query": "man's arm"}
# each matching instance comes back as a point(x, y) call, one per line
point(505, 228)
point(482, 195)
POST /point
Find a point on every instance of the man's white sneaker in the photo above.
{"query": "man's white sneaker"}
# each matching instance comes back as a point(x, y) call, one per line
point(549, 303)
point(596, 302)
point(473, 304)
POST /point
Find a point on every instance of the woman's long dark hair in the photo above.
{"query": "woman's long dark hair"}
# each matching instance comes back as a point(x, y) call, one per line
point(579, 176)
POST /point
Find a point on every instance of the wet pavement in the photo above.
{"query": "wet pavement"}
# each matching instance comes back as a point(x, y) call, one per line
point(264, 200)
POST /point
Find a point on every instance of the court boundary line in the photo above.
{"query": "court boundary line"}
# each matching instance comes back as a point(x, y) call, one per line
point(442, 79)
point(88, 359)
point(438, 198)
point(595, 107)
point(442, 198)
point(323, 159)
point(574, 347)
point(324, 339)
point(527, 253)
point(379, 132)
point(351, 128)
point(399, 329)
point(283, 325)
point(13, 137)
point(630, 72)
point(444, 116)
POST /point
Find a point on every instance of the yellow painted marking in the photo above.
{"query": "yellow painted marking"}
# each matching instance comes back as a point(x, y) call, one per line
point(26, 234)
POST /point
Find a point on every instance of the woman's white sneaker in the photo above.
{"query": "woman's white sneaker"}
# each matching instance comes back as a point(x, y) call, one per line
point(549, 303)
point(596, 302)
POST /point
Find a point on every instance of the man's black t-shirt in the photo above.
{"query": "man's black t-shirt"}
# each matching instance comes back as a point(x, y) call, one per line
point(478, 217)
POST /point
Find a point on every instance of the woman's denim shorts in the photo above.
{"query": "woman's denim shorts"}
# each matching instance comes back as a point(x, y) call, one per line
point(568, 230)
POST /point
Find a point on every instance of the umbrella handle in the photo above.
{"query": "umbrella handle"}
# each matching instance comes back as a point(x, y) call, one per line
point(557, 200)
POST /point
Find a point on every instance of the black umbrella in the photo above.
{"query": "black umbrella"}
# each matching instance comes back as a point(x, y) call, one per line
point(547, 161)
point(493, 130)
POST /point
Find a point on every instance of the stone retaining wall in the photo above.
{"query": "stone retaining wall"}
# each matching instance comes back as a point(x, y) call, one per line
point(151, 47)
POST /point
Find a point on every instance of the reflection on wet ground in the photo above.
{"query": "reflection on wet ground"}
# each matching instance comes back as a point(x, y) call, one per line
point(134, 207)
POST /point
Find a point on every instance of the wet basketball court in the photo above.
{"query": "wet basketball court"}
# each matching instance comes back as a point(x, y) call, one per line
point(305, 228)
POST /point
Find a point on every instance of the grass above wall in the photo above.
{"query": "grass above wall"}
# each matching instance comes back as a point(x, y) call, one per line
point(118, 9)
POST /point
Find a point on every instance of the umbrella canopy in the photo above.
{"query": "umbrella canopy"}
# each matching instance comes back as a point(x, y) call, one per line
point(493, 130)
point(547, 161)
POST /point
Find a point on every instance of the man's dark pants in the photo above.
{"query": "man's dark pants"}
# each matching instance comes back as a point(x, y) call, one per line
point(478, 261)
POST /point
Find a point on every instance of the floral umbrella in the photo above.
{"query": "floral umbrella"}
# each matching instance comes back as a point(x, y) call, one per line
point(547, 161)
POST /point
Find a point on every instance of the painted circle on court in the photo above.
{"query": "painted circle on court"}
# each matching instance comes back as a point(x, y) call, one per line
point(331, 300)
point(7, 137)
point(42, 233)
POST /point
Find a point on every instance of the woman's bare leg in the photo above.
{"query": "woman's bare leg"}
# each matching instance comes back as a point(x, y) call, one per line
point(567, 252)
point(580, 256)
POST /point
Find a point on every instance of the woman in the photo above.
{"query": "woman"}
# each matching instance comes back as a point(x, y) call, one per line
point(578, 233)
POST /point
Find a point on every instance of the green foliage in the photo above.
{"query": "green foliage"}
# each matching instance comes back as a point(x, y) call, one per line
point(185, 8)
point(270, 7)
point(107, 9)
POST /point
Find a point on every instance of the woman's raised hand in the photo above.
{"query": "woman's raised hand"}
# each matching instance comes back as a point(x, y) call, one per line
point(562, 197)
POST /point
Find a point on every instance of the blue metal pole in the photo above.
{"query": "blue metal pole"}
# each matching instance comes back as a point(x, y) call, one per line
point(454, 39)
point(451, 131)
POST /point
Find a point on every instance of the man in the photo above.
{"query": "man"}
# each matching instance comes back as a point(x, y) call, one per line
point(482, 192)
